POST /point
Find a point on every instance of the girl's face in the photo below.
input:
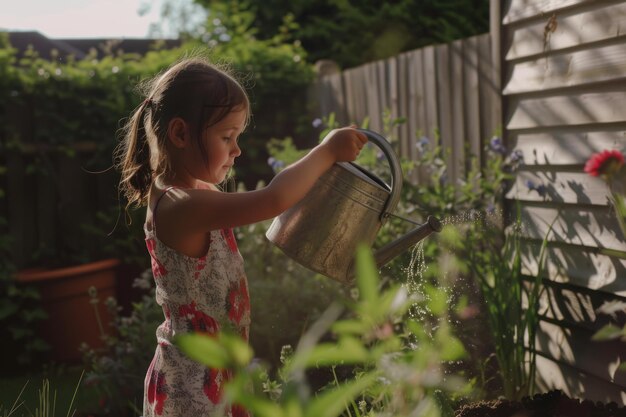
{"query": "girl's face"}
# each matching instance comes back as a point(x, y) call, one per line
point(220, 141)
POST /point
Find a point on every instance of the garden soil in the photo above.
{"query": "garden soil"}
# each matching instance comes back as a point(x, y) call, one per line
point(550, 404)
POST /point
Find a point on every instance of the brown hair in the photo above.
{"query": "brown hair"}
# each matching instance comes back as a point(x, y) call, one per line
point(193, 89)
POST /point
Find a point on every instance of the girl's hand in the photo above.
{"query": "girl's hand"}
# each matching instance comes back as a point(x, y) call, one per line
point(345, 144)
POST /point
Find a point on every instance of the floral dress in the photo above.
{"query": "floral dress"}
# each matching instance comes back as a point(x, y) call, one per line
point(202, 295)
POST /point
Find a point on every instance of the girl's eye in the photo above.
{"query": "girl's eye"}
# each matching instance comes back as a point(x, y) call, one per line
point(226, 138)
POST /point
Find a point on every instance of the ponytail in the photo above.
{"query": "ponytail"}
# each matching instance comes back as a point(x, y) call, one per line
point(133, 158)
point(193, 90)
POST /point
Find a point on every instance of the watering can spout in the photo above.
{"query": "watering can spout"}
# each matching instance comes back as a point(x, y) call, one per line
point(401, 244)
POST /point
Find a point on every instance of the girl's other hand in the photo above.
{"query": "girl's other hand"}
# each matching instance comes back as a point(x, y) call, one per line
point(345, 144)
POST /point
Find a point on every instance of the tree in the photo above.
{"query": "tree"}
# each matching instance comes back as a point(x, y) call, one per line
point(352, 32)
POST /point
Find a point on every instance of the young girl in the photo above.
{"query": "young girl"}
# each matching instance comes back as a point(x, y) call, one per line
point(179, 145)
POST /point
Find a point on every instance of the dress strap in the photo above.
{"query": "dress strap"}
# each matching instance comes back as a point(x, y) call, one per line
point(156, 205)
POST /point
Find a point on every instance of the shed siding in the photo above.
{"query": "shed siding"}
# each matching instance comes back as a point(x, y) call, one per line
point(563, 79)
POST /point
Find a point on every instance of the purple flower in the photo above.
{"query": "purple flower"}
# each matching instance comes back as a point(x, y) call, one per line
point(422, 144)
point(540, 188)
point(276, 164)
point(497, 146)
point(516, 156)
point(317, 122)
point(491, 208)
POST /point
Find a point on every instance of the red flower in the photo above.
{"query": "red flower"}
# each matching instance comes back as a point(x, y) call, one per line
point(214, 380)
point(157, 268)
point(238, 302)
point(238, 411)
point(198, 321)
point(157, 390)
point(229, 236)
point(605, 163)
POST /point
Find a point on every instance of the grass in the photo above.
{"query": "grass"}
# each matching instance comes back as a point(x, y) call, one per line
point(46, 394)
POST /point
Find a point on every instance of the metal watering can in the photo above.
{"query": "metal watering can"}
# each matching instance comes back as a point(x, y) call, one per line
point(346, 206)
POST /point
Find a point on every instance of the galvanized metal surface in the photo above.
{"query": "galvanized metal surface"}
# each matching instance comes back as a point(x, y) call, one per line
point(346, 207)
point(323, 230)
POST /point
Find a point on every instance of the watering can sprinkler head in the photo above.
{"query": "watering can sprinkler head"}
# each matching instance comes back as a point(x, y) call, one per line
point(346, 207)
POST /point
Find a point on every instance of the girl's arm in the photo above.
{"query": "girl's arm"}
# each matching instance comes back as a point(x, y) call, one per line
point(198, 211)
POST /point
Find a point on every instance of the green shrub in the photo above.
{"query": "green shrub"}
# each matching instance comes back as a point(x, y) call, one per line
point(397, 363)
point(117, 371)
point(52, 112)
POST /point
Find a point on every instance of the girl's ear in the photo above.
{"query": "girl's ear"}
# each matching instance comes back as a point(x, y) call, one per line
point(177, 132)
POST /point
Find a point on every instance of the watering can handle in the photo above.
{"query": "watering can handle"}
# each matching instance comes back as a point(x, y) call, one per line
point(396, 171)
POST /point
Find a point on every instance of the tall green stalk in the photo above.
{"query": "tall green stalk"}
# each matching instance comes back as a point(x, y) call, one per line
point(512, 306)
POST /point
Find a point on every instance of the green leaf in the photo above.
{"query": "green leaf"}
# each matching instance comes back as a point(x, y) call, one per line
point(240, 352)
point(438, 300)
point(333, 401)
point(461, 305)
point(450, 347)
point(349, 350)
point(609, 332)
point(366, 275)
point(239, 393)
point(204, 349)
point(349, 327)
point(418, 330)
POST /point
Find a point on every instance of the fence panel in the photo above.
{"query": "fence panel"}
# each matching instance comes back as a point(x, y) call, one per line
point(444, 91)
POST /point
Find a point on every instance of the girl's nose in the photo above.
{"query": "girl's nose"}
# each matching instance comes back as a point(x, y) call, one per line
point(236, 150)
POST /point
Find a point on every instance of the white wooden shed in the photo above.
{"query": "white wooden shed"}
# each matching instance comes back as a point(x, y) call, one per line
point(562, 66)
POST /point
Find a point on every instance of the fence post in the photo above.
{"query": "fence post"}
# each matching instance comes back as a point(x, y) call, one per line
point(328, 94)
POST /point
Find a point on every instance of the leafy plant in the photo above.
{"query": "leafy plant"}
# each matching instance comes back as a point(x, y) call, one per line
point(397, 363)
point(117, 371)
point(511, 304)
point(20, 310)
point(303, 294)
point(466, 256)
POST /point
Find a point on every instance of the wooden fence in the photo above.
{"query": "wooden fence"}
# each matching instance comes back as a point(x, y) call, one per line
point(61, 203)
point(53, 201)
point(447, 89)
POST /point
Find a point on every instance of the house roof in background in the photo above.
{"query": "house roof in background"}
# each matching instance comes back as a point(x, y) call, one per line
point(80, 48)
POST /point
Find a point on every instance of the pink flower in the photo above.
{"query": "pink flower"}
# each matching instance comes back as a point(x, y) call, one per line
point(605, 164)
point(608, 165)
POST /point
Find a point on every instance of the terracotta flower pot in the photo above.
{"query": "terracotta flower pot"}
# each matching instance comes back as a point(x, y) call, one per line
point(72, 318)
